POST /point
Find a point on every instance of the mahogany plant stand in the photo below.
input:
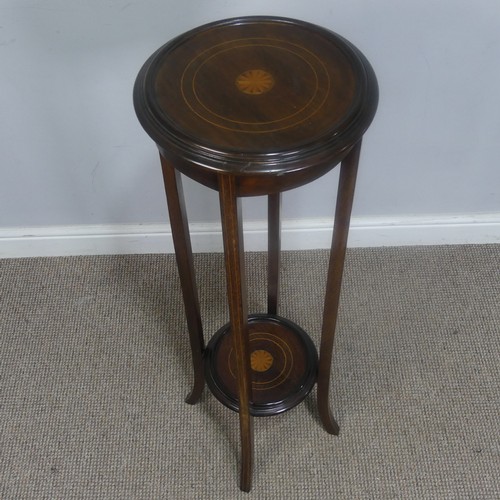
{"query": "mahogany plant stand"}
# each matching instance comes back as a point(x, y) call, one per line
point(256, 106)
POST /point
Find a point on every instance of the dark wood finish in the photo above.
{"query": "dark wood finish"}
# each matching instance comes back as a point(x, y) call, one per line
point(184, 256)
point(274, 251)
point(256, 106)
point(232, 233)
point(345, 195)
point(283, 361)
point(316, 97)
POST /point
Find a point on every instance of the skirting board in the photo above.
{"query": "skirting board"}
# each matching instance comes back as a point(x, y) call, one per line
point(302, 234)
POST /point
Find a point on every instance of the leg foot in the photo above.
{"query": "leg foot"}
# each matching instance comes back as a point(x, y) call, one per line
point(195, 395)
point(329, 423)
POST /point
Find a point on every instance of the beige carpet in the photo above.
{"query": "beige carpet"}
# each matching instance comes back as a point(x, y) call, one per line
point(95, 364)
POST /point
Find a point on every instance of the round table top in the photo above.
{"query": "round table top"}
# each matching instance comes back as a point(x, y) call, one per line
point(256, 94)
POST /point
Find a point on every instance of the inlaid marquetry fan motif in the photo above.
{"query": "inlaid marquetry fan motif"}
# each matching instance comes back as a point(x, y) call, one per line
point(261, 360)
point(255, 81)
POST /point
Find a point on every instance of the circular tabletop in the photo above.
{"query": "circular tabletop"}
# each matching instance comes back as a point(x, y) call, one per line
point(256, 94)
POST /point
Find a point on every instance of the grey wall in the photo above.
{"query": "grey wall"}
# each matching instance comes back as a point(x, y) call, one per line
point(73, 153)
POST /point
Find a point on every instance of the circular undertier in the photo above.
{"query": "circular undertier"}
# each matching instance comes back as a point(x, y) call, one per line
point(283, 365)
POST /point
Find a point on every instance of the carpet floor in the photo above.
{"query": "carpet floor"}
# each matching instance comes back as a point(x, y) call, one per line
point(95, 365)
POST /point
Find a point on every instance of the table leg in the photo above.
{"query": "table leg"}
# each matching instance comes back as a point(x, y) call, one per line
point(232, 232)
point(184, 256)
point(274, 252)
point(343, 209)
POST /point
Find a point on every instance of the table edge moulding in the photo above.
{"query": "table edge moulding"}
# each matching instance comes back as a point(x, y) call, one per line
point(256, 106)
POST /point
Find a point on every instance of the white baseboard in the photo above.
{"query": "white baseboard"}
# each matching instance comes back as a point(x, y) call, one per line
point(301, 234)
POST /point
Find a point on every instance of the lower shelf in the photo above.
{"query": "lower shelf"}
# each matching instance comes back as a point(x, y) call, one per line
point(283, 363)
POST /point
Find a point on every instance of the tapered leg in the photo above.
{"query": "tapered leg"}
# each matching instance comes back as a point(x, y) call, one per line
point(274, 252)
point(347, 182)
point(184, 256)
point(236, 291)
